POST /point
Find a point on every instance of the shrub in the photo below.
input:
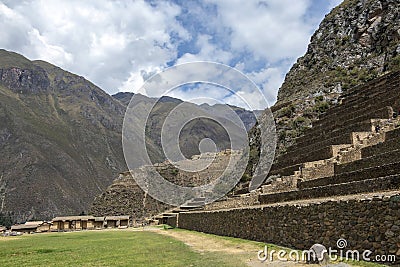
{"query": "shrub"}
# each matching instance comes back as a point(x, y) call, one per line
point(394, 63)
point(321, 107)
point(287, 111)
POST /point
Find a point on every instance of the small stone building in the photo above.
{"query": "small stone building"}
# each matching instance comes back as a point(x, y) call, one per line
point(44, 227)
point(32, 227)
point(73, 223)
point(117, 221)
point(99, 222)
point(22, 228)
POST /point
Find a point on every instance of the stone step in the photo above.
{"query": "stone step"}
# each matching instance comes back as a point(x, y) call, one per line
point(338, 140)
point(384, 147)
point(388, 93)
point(389, 96)
point(169, 214)
point(386, 98)
point(318, 171)
point(394, 134)
point(373, 161)
point(320, 154)
point(385, 112)
point(191, 207)
point(286, 171)
point(357, 187)
point(192, 204)
point(388, 82)
point(321, 134)
point(364, 174)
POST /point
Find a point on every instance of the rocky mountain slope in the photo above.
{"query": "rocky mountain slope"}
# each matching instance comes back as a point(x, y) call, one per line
point(60, 139)
point(356, 42)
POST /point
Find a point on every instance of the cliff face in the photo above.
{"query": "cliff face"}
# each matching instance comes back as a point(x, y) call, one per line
point(358, 41)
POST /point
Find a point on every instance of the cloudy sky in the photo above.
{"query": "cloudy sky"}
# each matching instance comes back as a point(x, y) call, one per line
point(119, 44)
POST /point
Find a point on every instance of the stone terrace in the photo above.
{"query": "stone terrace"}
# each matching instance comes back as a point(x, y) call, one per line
point(344, 155)
point(361, 109)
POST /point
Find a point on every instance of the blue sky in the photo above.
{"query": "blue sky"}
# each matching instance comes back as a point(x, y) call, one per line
point(119, 44)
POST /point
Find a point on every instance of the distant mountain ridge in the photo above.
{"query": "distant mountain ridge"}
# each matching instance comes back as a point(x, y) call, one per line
point(248, 118)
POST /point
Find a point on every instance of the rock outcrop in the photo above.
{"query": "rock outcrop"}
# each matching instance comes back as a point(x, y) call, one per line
point(356, 42)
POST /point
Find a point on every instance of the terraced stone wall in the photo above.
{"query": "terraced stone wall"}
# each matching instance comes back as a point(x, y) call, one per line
point(367, 224)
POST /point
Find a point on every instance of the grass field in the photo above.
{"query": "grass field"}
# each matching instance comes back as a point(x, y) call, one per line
point(104, 248)
point(154, 247)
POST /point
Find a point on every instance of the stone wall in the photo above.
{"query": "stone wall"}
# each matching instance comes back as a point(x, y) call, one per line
point(247, 200)
point(355, 187)
point(377, 160)
point(368, 173)
point(172, 221)
point(367, 224)
point(319, 169)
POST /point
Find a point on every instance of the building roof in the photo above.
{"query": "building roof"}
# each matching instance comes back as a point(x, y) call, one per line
point(73, 218)
point(34, 223)
point(99, 219)
point(2, 228)
point(116, 218)
point(23, 226)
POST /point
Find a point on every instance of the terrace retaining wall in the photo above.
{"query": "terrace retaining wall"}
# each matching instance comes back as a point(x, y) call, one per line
point(367, 224)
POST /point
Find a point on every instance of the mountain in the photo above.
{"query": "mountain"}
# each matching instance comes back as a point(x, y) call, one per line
point(60, 139)
point(195, 130)
point(357, 41)
point(248, 118)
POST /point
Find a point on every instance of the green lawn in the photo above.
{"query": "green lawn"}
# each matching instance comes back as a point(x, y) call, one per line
point(127, 248)
point(103, 248)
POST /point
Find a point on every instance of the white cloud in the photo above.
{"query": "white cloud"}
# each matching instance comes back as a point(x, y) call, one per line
point(105, 41)
point(118, 44)
point(271, 30)
point(269, 80)
point(208, 52)
point(259, 33)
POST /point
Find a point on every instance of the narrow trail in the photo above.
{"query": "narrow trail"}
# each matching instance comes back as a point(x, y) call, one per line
point(246, 252)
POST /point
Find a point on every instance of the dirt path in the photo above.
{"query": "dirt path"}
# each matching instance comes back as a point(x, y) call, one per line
point(247, 252)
